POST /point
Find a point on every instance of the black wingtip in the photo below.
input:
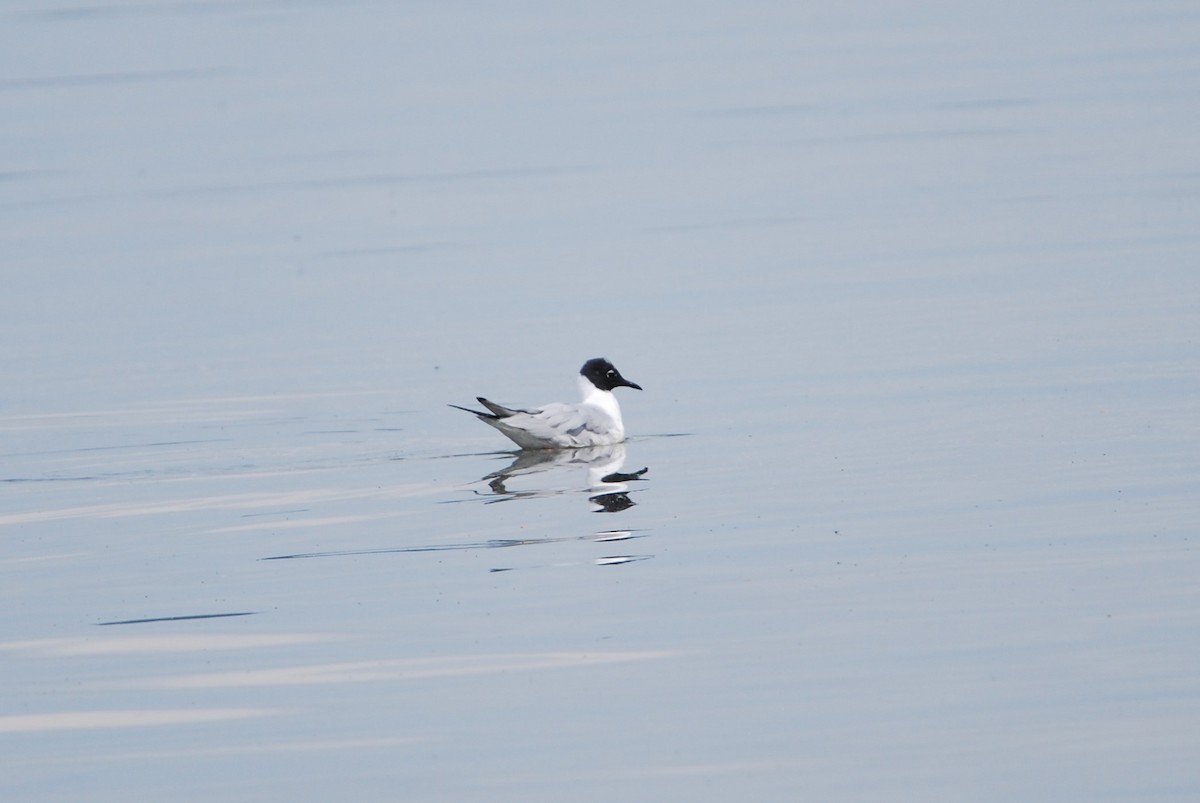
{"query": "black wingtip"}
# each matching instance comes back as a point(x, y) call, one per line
point(479, 413)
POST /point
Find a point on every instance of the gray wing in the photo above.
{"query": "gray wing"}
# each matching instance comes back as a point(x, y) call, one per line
point(567, 425)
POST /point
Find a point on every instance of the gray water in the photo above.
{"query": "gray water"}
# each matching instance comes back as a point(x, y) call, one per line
point(912, 290)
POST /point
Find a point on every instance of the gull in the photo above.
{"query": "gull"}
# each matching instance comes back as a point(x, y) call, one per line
point(595, 421)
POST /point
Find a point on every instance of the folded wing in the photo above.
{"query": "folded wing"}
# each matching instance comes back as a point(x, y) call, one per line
point(562, 425)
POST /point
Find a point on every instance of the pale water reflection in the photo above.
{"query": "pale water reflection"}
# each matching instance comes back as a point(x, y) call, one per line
point(593, 475)
point(540, 473)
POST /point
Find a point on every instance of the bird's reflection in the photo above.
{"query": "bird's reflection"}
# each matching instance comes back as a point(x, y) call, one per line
point(550, 473)
point(606, 483)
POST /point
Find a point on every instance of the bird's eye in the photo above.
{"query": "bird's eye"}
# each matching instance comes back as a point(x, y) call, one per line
point(611, 373)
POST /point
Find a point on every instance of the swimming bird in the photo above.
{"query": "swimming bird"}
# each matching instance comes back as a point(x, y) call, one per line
point(595, 421)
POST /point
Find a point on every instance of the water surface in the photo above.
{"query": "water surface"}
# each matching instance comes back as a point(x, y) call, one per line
point(912, 292)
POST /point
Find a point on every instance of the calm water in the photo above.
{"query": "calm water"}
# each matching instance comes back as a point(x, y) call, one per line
point(912, 292)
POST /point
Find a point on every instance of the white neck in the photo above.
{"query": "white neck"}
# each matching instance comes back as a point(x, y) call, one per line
point(603, 399)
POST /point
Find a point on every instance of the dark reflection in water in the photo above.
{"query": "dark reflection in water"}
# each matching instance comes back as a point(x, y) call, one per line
point(612, 503)
point(491, 543)
point(176, 618)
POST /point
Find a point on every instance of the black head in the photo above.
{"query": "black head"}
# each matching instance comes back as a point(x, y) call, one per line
point(601, 373)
